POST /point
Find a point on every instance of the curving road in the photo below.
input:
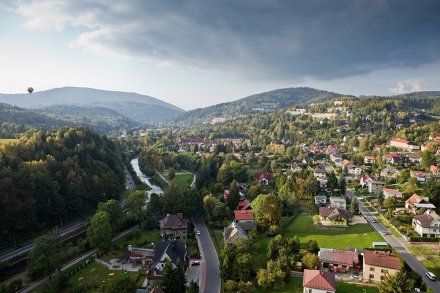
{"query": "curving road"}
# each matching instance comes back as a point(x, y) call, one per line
point(210, 275)
point(397, 244)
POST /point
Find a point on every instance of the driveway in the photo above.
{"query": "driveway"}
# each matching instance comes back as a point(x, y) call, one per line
point(210, 267)
point(397, 244)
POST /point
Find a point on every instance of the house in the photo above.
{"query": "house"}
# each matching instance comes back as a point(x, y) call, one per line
point(336, 158)
point(245, 219)
point(332, 149)
point(394, 159)
point(338, 261)
point(353, 170)
point(375, 186)
point(319, 172)
point(369, 160)
point(338, 202)
point(233, 232)
point(297, 167)
point(419, 175)
point(389, 172)
point(174, 226)
point(263, 177)
point(334, 217)
point(138, 256)
point(414, 158)
point(403, 144)
point(379, 263)
point(378, 147)
point(416, 202)
point(435, 170)
point(321, 199)
point(427, 224)
point(316, 281)
point(170, 250)
point(387, 192)
point(364, 180)
point(245, 205)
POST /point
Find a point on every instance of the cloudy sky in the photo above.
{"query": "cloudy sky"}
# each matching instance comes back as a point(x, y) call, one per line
point(198, 53)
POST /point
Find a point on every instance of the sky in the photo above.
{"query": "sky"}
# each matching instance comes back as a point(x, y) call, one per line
point(198, 53)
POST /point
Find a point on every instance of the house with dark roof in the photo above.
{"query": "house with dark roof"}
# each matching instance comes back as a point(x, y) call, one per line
point(167, 250)
point(338, 261)
point(389, 172)
point(334, 217)
point(174, 227)
point(427, 224)
point(234, 232)
point(316, 281)
point(394, 159)
point(263, 177)
point(319, 172)
point(379, 263)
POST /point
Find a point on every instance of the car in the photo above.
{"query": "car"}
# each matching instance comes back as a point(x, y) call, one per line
point(384, 232)
point(198, 233)
point(196, 263)
point(373, 220)
point(431, 276)
point(354, 277)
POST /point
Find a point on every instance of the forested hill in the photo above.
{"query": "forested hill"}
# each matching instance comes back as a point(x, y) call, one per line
point(264, 102)
point(125, 103)
point(59, 176)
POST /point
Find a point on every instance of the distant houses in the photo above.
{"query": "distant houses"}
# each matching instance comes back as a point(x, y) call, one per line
point(403, 144)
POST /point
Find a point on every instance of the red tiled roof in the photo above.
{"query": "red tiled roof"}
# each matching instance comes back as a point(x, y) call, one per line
point(316, 279)
point(399, 140)
point(392, 155)
point(334, 256)
point(244, 205)
point(243, 215)
point(381, 259)
point(261, 175)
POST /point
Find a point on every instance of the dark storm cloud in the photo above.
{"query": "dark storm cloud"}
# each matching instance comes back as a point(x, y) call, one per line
point(290, 39)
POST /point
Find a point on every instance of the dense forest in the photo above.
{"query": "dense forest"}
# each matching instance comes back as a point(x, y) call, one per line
point(47, 178)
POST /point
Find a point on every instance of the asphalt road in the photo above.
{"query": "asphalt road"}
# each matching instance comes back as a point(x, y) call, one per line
point(129, 182)
point(397, 244)
point(210, 282)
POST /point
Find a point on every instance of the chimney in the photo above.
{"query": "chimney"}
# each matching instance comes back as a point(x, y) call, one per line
point(180, 216)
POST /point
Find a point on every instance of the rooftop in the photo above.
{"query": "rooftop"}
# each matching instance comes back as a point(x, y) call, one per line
point(381, 259)
point(317, 279)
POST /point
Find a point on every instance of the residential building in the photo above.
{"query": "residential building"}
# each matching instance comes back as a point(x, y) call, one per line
point(316, 281)
point(334, 217)
point(415, 158)
point(379, 263)
point(321, 199)
point(245, 205)
point(417, 202)
point(394, 159)
point(338, 261)
point(427, 224)
point(389, 172)
point(375, 186)
point(353, 170)
point(174, 226)
point(245, 219)
point(338, 202)
point(403, 144)
point(369, 159)
point(263, 177)
point(365, 179)
point(138, 256)
point(435, 170)
point(420, 176)
point(388, 192)
point(170, 250)
point(319, 172)
point(234, 232)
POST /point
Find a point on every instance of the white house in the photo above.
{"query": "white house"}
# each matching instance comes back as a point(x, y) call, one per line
point(338, 202)
point(427, 224)
point(375, 186)
point(388, 192)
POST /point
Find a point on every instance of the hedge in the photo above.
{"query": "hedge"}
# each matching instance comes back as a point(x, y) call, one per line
point(423, 239)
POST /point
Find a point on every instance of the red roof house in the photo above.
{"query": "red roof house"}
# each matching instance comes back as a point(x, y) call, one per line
point(319, 280)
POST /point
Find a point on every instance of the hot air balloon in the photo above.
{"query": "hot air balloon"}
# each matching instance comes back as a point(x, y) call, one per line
point(30, 89)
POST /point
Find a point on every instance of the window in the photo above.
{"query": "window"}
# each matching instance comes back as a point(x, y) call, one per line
point(371, 276)
point(371, 269)
point(383, 271)
point(177, 232)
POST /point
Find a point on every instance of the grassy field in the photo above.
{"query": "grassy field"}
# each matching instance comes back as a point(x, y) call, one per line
point(184, 179)
point(7, 140)
point(294, 285)
point(428, 254)
point(357, 236)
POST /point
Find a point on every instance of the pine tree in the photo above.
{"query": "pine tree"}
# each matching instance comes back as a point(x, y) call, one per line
point(354, 207)
point(233, 196)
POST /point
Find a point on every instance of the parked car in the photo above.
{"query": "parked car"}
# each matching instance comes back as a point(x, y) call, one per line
point(198, 233)
point(373, 220)
point(196, 263)
point(384, 232)
point(354, 277)
point(431, 276)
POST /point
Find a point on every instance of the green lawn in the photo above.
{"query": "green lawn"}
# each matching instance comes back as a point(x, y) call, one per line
point(429, 254)
point(357, 236)
point(184, 179)
point(294, 285)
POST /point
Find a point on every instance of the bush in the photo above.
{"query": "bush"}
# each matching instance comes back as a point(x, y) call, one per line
point(423, 239)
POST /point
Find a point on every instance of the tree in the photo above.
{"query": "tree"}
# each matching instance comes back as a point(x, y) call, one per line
point(342, 185)
point(310, 261)
point(171, 174)
point(272, 277)
point(135, 203)
point(99, 233)
point(44, 257)
point(266, 210)
point(117, 284)
point(193, 287)
point(312, 246)
point(380, 199)
point(397, 283)
point(354, 207)
point(244, 266)
point(431, 189)
point(332, 182)
point(113, 208)
point(233, 196)
point(173, 280)
point(390, 203)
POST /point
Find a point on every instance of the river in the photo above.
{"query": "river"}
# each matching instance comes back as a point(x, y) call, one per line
point(154, 188)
